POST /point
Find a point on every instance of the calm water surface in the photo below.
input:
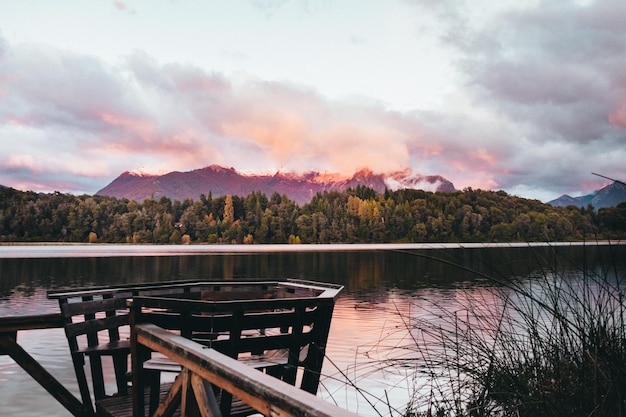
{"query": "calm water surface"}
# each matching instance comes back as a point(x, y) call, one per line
point(387, 288)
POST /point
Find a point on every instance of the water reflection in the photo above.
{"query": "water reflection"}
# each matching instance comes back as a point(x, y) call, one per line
point(391, 297)
point(360, 272)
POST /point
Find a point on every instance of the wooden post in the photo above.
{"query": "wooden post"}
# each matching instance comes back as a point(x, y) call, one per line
point(137, 354)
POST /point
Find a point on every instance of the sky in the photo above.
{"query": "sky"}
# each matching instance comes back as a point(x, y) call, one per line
point(523, 96)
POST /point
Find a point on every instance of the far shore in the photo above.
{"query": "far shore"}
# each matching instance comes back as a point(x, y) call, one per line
point(89, 250)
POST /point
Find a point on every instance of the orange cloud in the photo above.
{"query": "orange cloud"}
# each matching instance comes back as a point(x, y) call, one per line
point(300, 131)
point(483, 156)
point(280, 134)
point(349, 148)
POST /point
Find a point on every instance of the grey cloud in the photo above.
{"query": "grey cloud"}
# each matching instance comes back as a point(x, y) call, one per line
point(548, 83)
point(553, 72)
point(555, 57)
point(48, 87)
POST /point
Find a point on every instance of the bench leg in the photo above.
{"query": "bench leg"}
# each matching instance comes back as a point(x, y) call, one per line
point(97, 377)
point(120, 365)
point(153, 379)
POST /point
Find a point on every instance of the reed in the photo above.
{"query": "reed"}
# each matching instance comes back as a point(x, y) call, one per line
point(552, 343)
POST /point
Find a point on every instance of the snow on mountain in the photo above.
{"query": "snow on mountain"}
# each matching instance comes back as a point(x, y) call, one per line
point(408, 180)
point(217, 180)
point(143, 171)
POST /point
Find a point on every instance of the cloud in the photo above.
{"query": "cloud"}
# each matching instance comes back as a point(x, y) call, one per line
point(618, 116)
point(122, 7)
point(268, 7)
point(556, 65)
point(542, 104)
point(552, 75)
point(175, 116)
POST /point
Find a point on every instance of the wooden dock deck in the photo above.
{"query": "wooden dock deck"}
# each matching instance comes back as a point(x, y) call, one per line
point(215, 334)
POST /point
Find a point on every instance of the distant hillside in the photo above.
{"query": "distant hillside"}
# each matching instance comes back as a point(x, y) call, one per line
point(609, 196)
point(223, 181)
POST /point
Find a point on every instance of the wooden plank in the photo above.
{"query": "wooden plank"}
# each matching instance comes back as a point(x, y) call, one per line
point(186, 400)
point(41, 321)
point(264, 393)
point(69, 309)
point(116, 289)
point(257, 344)
point(165, 287)
point(121, 406)
point(168, 315)
point(173, 398)
point(95, 325)
point(309, 289)
point(104, 349)
point(269, 360)
point(205, 397)
point(223, 306)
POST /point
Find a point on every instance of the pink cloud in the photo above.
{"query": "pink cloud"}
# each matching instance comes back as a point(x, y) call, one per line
point(483, 157)
point(119, 5)
point(618, 116)
point(25, 161)
point(275, 133)
point(474, 168)
point(181, 117)
point(136, 127)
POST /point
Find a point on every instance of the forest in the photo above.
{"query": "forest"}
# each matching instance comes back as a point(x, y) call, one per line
point(355, 216)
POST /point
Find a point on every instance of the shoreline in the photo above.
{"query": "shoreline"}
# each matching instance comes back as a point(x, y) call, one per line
point(92, 250)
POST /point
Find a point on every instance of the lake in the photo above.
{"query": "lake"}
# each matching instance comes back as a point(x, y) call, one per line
point(388, 288)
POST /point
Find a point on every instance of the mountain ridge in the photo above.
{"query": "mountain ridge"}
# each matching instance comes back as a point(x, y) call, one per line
point(609, 196)
point(220, 181)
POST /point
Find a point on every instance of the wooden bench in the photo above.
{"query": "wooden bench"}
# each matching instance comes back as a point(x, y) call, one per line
point(276, 326)
point(282, 337)
point(96, 323)
point(97, 326)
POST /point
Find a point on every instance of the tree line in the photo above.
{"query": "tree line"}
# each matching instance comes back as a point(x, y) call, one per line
point(358, 215)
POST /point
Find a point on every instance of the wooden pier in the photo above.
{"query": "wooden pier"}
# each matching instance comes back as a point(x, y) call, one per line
point(236, 347)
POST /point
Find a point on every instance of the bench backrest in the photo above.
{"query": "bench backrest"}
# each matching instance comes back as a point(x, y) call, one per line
point(244, 329)
point(97, 319)
point(96, 326)
point(278, 336)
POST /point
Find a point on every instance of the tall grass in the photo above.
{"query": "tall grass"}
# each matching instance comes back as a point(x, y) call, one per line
point(550, 344)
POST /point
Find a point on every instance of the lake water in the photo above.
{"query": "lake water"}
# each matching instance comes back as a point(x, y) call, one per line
point(388, 288)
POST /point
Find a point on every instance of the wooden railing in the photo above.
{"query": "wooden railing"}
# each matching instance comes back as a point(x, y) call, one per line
point(203, 367)
point(9, 327)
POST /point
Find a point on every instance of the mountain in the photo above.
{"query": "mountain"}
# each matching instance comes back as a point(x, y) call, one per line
point(609, 196)
point(222, 181)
